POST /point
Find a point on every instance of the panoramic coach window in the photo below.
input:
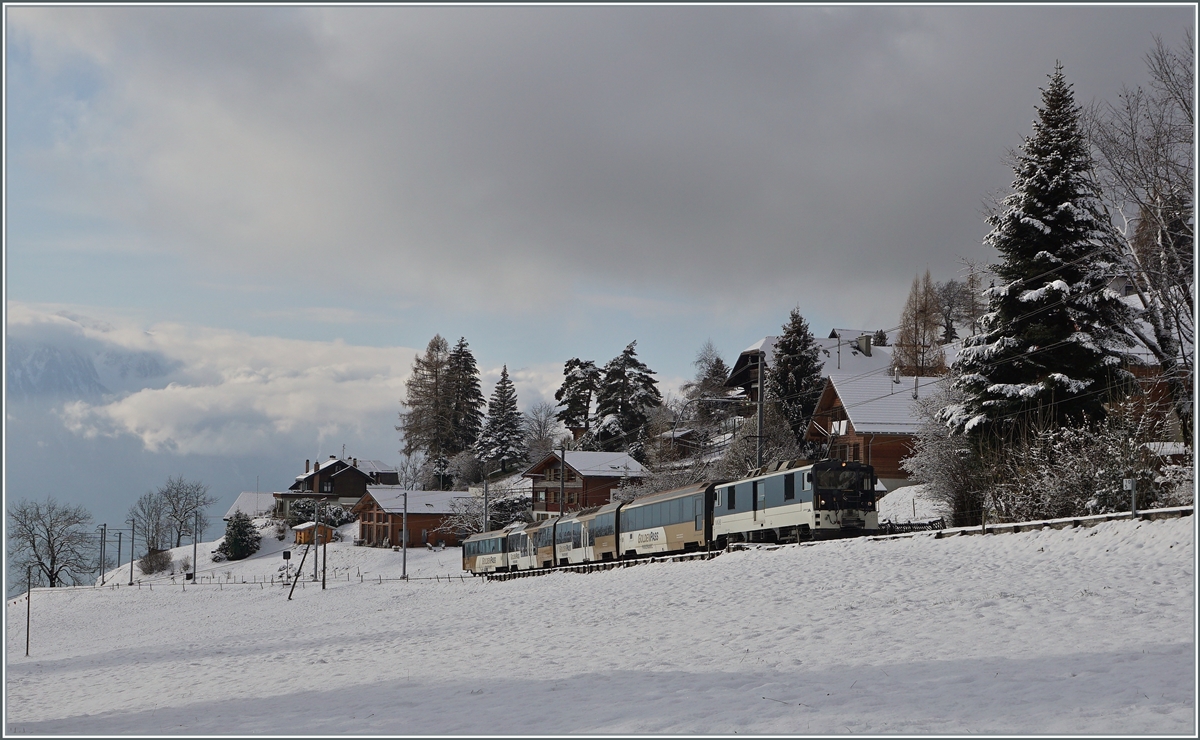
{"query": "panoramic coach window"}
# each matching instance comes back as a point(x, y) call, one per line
point(731, 491)
point(789, 486)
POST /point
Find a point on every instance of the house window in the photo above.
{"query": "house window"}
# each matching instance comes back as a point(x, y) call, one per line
point(326, 486)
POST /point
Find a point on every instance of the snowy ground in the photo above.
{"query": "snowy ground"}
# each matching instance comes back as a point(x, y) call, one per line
point(910, 503)
point(1050, 632)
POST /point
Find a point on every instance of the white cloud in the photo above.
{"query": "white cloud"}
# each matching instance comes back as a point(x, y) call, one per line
point(232, 393)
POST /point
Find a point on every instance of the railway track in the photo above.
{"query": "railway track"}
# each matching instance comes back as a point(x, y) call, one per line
point(926, 529)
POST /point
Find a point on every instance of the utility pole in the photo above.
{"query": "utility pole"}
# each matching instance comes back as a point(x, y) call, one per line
point(195, 539)
point(132, 532)
point(562, 481)
point(762, 355)
point(486, 528)
point(28, 603)
point(324, 559)
point(119, 548)
point(103, 540)
point(404, 536)
point(316, 536)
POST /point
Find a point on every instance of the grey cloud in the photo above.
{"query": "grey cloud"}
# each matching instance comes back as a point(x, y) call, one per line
point(697, 149)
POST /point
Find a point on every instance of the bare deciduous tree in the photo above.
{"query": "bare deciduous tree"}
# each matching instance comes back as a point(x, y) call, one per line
point(1144, 149)
point(52, 538)
point(150, 521)
point(182, 501)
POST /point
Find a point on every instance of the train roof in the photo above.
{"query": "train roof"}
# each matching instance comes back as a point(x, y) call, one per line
point(673, 493)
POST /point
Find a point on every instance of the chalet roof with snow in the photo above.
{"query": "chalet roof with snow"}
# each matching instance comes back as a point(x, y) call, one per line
point(593, 464)
point(391, 500)
point(873, 403)
point(252, 504)
point(374, 471)
point(846, 358)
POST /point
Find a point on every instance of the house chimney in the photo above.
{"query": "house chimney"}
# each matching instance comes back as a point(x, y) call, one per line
point(306, 462)
point(864, 344)
point(333, 457)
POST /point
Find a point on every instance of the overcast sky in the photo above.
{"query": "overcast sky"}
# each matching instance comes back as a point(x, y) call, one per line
point(547, 182)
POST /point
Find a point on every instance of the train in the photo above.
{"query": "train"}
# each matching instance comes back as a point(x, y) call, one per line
point(790, 501)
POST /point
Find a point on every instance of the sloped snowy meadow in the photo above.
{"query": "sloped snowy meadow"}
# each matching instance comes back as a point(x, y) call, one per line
point(1085, 630)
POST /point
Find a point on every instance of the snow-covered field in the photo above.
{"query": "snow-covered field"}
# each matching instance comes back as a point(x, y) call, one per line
point(910, 503)
point(1058, 631)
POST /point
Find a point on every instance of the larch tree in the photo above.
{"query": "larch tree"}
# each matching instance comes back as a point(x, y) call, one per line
point(503, 435)
point(1049, 352)
point(917, 350)
point(581, 379)
point(466, 398)
point(427, 423)
point(627, 392)
point(794, 380)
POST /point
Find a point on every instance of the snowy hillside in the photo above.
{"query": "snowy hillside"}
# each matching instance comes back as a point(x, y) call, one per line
point(1086, 630)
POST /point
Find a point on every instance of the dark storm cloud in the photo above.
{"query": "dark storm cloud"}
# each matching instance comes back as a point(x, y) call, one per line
point(820, 154)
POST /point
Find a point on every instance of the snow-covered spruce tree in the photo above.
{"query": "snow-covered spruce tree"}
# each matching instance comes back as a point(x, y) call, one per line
point(1051, 344)
point(581, 378)
point(917, 350)
point(241, 537)
point(427, 423)
point(503, 435)
point(466, 399)
point(627, 391)
point(794, 379)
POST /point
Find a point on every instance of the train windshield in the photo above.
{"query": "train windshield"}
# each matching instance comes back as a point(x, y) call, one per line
point(842, 480)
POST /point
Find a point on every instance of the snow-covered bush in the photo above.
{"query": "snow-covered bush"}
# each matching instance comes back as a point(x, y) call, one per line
point(949, 465)
point(241, 538)
point(304, 510)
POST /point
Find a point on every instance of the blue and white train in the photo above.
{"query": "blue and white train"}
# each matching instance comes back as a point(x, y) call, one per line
point(785, 502)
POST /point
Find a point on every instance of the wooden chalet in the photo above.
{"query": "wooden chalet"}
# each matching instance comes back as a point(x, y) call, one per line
point(381, 515)
point(341, 481)
point(870, 419)
point(585, 479)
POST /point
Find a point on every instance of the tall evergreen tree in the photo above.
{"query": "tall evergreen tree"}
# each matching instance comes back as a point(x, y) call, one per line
point(466, 399)
point(627, 392)
point(794, 378)
point(581, 378)
point(426, 424)
point(503, 435)
point(1050, 345)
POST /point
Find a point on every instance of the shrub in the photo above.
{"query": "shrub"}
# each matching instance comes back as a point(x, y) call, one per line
point(303, 511)
point(241, 538)
point(155, 561)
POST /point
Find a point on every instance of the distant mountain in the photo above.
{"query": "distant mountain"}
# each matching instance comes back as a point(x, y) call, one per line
point(38, 370)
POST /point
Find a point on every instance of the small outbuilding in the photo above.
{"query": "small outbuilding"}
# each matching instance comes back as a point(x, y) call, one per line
point(304, 533)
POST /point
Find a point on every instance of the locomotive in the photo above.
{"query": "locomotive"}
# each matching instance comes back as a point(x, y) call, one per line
point(790, 501)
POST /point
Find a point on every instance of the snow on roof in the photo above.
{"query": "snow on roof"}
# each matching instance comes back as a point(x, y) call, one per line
point(391, 500)
point(515, 483)
point(876, 404)
point(848, 360)
point(253, 504)
point(309, 525)
point(599, 464)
